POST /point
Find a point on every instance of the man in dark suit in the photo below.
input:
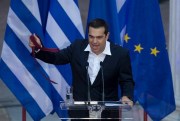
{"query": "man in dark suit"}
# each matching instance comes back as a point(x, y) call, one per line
point(106, 64)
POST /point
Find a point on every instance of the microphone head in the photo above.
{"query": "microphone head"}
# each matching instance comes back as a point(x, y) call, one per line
point(86, 64)
point(101, 63)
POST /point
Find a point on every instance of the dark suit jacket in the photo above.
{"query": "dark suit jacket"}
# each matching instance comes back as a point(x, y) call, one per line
point(116, 69)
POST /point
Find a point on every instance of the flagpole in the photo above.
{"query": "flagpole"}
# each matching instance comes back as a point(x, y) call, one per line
point(23, 114)
point(145, 116)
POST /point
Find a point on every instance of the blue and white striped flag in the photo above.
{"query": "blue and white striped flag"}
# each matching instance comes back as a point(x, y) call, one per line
point(19, 71)
point(64, 25)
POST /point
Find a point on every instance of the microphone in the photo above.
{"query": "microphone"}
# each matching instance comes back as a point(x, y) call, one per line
point(87, 76)
point(102, 74)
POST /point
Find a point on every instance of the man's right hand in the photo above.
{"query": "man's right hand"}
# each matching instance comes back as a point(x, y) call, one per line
point(31, 44)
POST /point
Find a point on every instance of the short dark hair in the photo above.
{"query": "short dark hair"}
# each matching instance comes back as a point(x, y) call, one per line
point(97, 23)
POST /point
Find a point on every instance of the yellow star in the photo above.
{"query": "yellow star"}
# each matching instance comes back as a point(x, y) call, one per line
point(154, 51)
point(126, 38)
point(138, 48)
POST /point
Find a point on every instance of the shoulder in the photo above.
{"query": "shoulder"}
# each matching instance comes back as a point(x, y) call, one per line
point(120, 53)
point(118, 49)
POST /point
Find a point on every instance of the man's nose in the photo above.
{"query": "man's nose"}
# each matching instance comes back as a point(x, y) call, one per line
point(94, 40)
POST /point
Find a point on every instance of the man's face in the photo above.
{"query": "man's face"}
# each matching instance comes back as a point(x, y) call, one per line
point(97, 39)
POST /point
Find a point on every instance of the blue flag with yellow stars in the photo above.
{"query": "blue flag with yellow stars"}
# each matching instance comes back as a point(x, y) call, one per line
point(145, 39)
point(138, 25)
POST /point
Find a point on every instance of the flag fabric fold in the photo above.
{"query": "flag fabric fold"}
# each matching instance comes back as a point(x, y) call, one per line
point(139, 27)
point(19, 71)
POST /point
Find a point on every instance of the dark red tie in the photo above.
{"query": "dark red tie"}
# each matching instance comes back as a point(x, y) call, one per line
point(37, 46)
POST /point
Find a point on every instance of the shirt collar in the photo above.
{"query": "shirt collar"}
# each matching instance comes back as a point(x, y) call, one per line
point(107, 50)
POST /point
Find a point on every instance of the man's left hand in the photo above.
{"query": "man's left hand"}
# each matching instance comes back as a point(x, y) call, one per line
point(126, 100)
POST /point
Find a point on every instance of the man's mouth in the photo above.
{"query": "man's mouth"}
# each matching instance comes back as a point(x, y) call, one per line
point(95, 46)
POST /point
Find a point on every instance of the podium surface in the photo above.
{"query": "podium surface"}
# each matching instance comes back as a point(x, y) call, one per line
point(111, 110)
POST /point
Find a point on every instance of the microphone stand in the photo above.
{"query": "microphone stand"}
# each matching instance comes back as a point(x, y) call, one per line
point(87, 76)
point(102, 74)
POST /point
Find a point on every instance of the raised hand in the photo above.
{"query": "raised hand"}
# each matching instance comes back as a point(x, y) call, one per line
point(34, 38)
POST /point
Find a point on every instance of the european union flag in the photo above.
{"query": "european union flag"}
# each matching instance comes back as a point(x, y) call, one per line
point(140, 29)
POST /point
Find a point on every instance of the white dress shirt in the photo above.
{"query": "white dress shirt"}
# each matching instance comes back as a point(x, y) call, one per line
point(94, 61)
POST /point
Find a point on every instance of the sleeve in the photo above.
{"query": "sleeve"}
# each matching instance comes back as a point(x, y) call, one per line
point(61, 57)
point(126, 77)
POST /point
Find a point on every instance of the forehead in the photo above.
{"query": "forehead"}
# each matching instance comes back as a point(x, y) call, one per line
point(96, 31)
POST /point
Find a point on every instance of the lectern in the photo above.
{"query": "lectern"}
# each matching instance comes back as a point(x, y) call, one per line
point(95, 109)
point(98, 109)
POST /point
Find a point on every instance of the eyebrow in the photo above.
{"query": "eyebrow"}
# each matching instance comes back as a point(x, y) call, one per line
point(100, 36)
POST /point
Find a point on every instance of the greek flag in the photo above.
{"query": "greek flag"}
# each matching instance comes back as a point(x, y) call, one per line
point(57, 23)
point(137, 25)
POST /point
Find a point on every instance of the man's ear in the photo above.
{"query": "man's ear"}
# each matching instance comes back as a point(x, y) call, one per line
point(107, 36)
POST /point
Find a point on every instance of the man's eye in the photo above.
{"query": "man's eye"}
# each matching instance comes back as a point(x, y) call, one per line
point(99, 37)
point(91, 37)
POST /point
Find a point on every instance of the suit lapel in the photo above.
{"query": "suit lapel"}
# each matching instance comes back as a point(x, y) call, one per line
point(83, 60)
point(84, 54)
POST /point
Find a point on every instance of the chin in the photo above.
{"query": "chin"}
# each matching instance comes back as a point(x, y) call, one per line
point(96, 52)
